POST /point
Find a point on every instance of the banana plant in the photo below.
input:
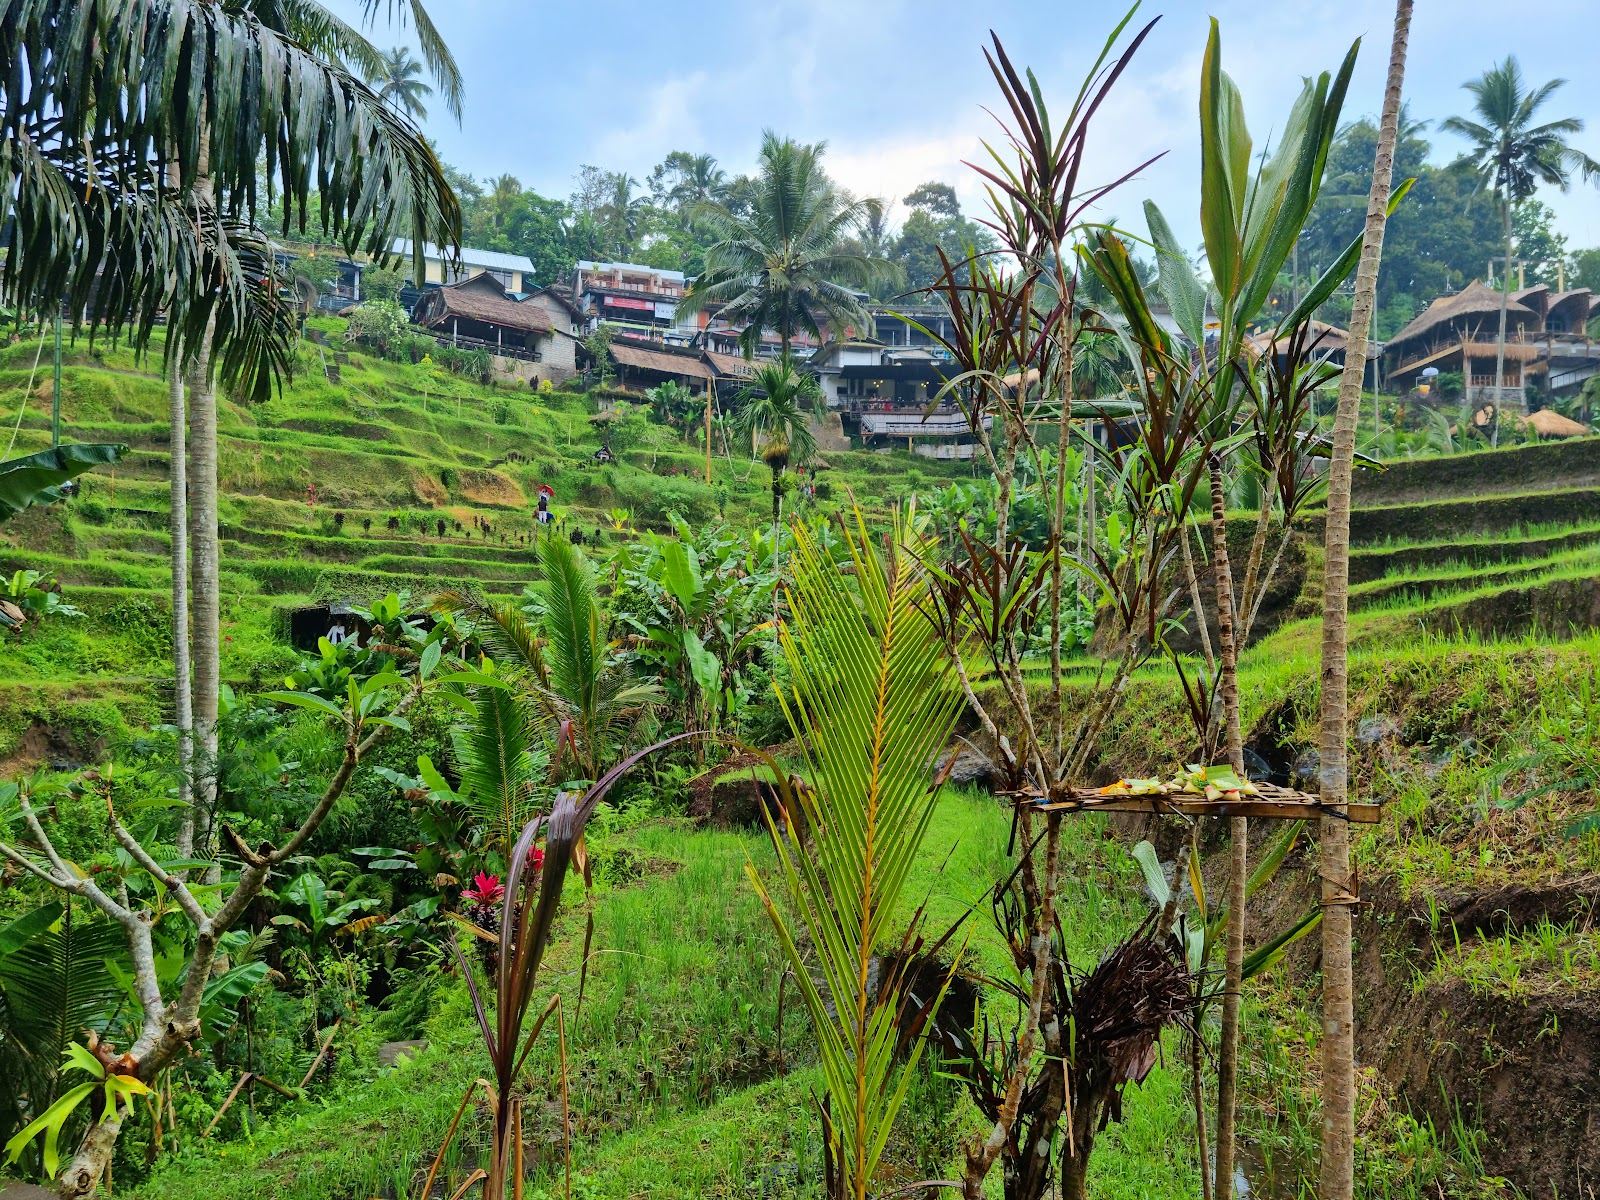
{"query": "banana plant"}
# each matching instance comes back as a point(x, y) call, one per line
point(42, 478)
point(325, 909)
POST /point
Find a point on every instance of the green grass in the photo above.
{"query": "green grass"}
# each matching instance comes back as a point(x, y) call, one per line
point(674, 1061)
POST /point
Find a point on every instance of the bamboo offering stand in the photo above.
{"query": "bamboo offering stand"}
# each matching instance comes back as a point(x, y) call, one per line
point(1269, 801)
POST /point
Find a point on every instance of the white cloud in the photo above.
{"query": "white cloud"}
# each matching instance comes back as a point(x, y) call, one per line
point(671, 119)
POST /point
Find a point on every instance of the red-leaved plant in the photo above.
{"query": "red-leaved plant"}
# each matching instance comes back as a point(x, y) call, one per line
point(529, 900)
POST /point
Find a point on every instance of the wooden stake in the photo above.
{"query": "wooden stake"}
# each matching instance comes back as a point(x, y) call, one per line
point(243, 1079)
point(321, 1054)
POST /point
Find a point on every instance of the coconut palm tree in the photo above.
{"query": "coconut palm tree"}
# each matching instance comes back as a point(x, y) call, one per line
point(398, 85)
point(1338, 991)
point(1513, 156)
point(686, 181)
point(774, 407)
point(782, 265)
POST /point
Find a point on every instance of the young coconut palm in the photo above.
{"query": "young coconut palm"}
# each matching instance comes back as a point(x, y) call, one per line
point(872, 703)
point(578, 692)
point(774, 407)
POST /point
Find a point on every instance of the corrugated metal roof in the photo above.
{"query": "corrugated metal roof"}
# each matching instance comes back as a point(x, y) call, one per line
point(469, 256)
point(585, 264)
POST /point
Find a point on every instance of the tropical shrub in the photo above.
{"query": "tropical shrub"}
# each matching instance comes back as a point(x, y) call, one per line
point(376, 323)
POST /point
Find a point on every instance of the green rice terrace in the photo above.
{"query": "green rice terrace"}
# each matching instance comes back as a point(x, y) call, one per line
point(745, 684)
point(1475, 609)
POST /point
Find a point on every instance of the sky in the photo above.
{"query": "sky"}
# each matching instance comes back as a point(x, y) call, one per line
point(898, 89)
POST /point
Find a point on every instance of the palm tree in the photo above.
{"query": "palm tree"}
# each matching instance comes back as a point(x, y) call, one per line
point(774, 406)
point(782, 266)
point(622, 213)
point(1513, 156)
point(1338, 992)
point(398, 85)
point(686, 181)
point(176, 232)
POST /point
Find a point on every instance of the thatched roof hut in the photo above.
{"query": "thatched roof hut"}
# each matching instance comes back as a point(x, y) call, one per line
point(478, 303)
point(1568, 312)
point(1469, 315)
point(1551, 424)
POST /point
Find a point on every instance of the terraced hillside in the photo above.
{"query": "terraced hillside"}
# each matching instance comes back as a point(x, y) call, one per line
point(1502, 544)
point(1475, 708)
point(361, 478)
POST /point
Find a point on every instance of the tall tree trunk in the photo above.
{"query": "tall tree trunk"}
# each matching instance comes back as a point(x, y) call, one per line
point(178, 525)
point(205, 561)
point(1338, 992)
point(1198, 1082)
point(1500, 340)
point(1239, 839)
point(206, 585)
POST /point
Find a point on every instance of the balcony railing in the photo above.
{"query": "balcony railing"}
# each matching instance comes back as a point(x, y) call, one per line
point(503, 350)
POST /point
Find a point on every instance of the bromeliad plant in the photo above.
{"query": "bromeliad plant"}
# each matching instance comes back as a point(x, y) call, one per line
point(871, 704)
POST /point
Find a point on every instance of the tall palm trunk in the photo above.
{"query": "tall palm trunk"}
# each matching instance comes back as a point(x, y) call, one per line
point(178, 525)
point(178, 529)
point(1338, 994)
point(206, 586)
point(205, 564)
point(1239, 839)
point(1500, 341)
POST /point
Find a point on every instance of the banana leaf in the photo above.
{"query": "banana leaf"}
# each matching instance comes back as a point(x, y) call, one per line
point(38, 478)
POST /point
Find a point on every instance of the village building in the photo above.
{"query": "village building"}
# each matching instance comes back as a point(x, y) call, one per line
point(641, 364)
point(1546, 341)
point(888, 397)
point(560, 351)
point(1324, 343)
point(513, 272)
point(478, 313)
point(637, 300)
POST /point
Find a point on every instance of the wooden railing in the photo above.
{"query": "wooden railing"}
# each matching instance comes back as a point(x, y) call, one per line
point(503, 350)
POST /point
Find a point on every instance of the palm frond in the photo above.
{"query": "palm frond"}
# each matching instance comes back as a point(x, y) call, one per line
point(500, 770)
point(871, 704)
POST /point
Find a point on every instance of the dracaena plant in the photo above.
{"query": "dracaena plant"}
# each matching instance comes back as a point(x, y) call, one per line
point(527, 901)
point(1015, 336)
point(1251, 216)
point(871, 704)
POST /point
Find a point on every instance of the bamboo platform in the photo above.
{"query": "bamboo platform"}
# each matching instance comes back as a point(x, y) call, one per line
point(1271, 802)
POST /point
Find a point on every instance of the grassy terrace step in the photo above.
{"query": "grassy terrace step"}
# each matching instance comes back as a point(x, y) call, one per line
point(1429, 583)
point(1376, 562)
point(1498, 514)
point(1547, 466)
point(1559, 602)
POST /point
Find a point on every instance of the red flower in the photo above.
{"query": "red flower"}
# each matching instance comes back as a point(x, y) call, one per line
point(535, 859)
point(486, 890)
